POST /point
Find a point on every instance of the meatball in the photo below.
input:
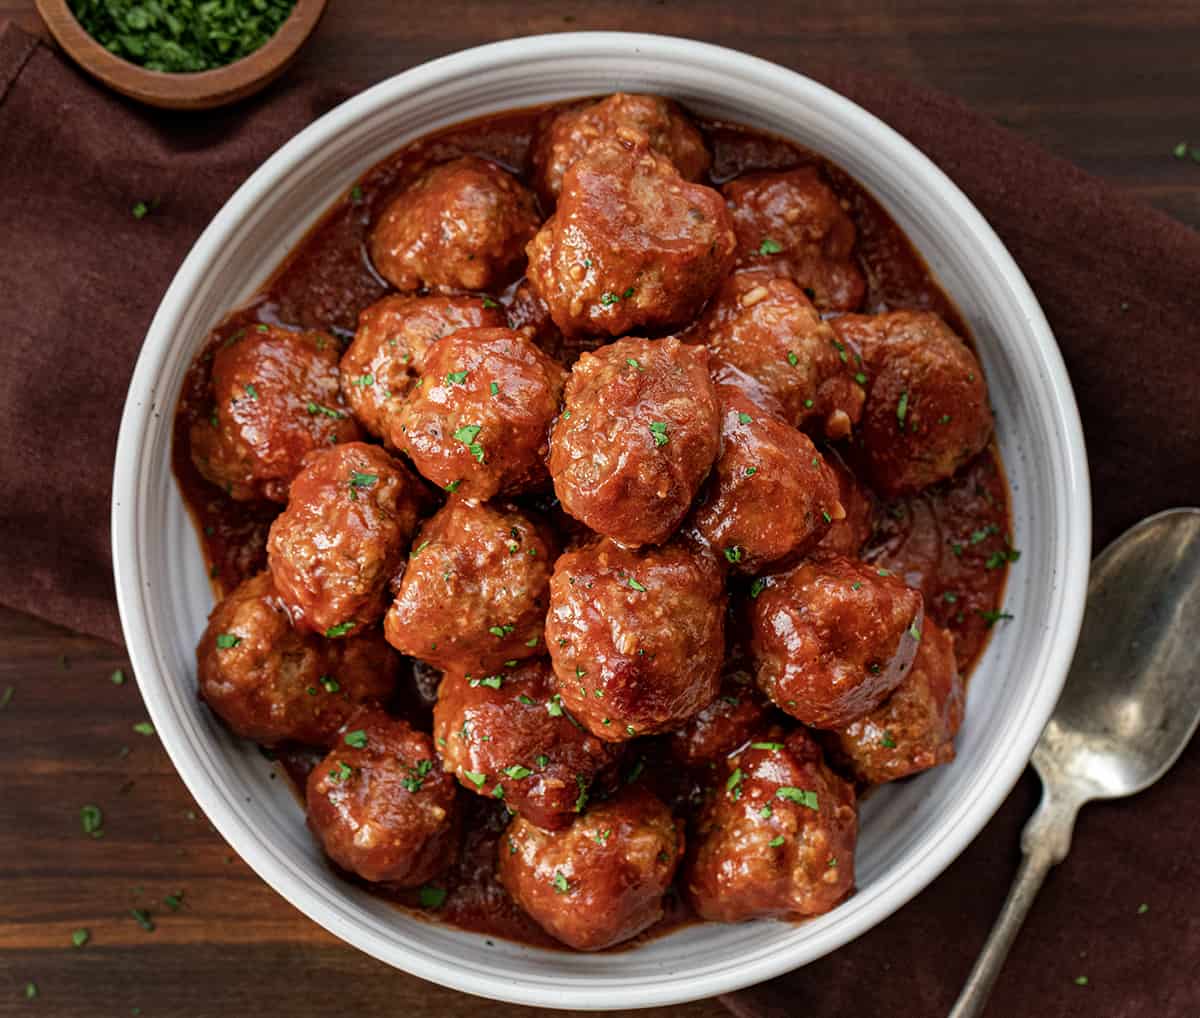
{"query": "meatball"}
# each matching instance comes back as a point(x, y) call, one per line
point(914, 728)
point(636, 637)
point(848, 535)
point(632, 245)
point(342, 537)
point(776, 836)
point(506, 736)
point(725, 724)
point(927, 407)
point(640, 430)
point(832, 638)
point(795, 224)
point(381, 804)
point(770, 496)
point(475, 591)
point(275, 399)
point(762, 323)
point(572, 134)
point(394, 334)
point(461, 225)
point(478, 420)
point(601, 880)
point(270, 683)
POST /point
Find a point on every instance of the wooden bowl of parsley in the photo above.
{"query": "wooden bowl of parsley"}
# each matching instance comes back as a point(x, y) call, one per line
point(182, 54)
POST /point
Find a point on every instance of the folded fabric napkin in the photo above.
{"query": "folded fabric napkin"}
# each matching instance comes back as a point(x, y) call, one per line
point(83, 272)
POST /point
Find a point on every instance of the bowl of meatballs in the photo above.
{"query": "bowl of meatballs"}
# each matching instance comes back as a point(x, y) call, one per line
point(599, 521)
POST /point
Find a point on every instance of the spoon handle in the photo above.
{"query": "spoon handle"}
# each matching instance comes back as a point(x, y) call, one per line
point(1044, 842)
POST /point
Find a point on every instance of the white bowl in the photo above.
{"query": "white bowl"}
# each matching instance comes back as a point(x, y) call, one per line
point(909, 832)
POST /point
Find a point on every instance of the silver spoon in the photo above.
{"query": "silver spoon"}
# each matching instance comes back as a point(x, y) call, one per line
point(1130, 704)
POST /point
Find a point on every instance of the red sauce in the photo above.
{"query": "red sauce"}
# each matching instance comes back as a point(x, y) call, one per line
point(952, 541)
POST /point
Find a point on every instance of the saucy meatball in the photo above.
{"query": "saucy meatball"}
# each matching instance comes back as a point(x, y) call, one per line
point(738, 712)
point(770, 496)
point(632, 245)
point(776, 836)
point(478, 420)
point(275, 399)
point(571, 134)
point(461, 225)
point(599, 881)
point(270, 683)
point(914, 728)
point(639, 432)
point(475, 590)
point(342, 537)
point(848, 535)
point(832, 638)
point(795, 224)
point(762, 323)
point(636, 637)
point(382, 805)
point(394, 334)
point(927, 407)
point(507, 737)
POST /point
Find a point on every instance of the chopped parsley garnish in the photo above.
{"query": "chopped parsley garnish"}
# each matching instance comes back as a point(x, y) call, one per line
point(475, 778)
point(751, 471)
point(635, 585)
point(92, 819)
point(80, 937)
point(766, 745)
point(467, 435)
point(1081, 980)
point(500, 631)
point(658, 429)
point(457, 377)
point(766, 812)
point(902, 409)
point(528, 701)
point(733, 554)
point(117, 678)
point(452, 487)
point(143, 919)
point(950, 597)
point(776, 841)
point(227, 640)
point(357, 739)
point(601, 837)
point(541, 760)
point(533, 640)
point(944, 419)
point(489, 303)
point(792, 359)
point(6, 697)
point(420, 548)
point(992, 617)
point(517, 772)
point(1143, 908)
point(635, 771)
point(144, 728)
point(733, 784)
point(363, 380)
point(31, 991)
point(914, 631)
point(999, 558)
point(860, 378)
point(317, 408)
point(757, 587)
point(744, 418)
point(554, 706)
point(633, 363)
point(801, 795)
point(983, 533)
point(431, 897)
point(341, 772)
point(561, 884)
point(416, 775)
point(491, 681)
point(856, 585)
point(251, 391)
point(360, 480)
point(888, 742)
point(174, 901)
point(341, 629)
point(769, 246)
point(498, 792)
point(582, 798)
point(356, 195)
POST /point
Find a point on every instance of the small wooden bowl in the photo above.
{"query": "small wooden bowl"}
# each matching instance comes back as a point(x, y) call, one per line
point(200, 90)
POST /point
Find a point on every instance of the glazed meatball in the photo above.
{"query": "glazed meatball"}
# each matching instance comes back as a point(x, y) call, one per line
point(462, 225)
point(601, 880)
point(276, 399)
point(394, 334)
point(632, 245)
point(795, 224)
point(507, 737)
point(776, 836)
point(382, 805)
point(270, 683)
point(478, 421)
point(914, 728)
point(927, 403)
point(475, 590)
point(771, 495)
point(848, 535)
point(832, 638)
point(762, 323)
point(342, 537)
point(639, 432)
point(636, 637)
point(738, 712)
point(572, 134)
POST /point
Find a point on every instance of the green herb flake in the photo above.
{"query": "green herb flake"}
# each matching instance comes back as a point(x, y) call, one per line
point(766, 812)
point(494, 388)
point(6, 697)
point(554, 706)
point(80, 937)
point(1081, 980)
point(914, 631)
point(476, 778)
point(92, 819)
point(733, 554)
point(356, 739)
point(992, 617)
point(801, 795)
point(117, 678)
point(490, 681)
point(174, 901)
point(635, 585)
point(452, 487)
point(776, 841)
point(902, 410)
point(517, 772)
point(317, 408)
point(792, 359)
point(733, 784)
point(364, 380)
point(769, 246)
point(633, 363)
point(744, 418)
point(226, 641)
point(757, 587)
point(361, 480)
point(431, 896)
point(751, 471)
point(500, 631)
point(582, 798)
point(143, 919)
point(1143, 908)
point(489, 303)
point(420, 548)
point(561, 884)
point(658, 429)
point(950, 597)
point(341, 772)
point(1180, 151)
point(860, 378)
point(31, 991)
point(457, 377)
point(601, 837)
point(341, 629)
point(144, 728)
point(770, 746)
point(888, 741)
point(531, 642)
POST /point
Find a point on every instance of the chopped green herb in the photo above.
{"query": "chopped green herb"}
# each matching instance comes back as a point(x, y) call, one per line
point(944, 419)
point(992, 617)
point(902, 410)
point(117, 678)
point(500, 631)
point(888, 741)
point(1180, 151)
point(949, 597)
point(554, 706)
point(467, 435)
point(143, 919)
point(356, 195)
point(561, 884)
point(792, 359)
point(658, 429)
point(6, 697)
point(860, 378)
point(757, 587)
point(475, 777)
point(494, 388)
point(498, 792)
point(856, 585)
point(357, 739)
point(541, 760)
point(517, 772)
point(92, 820)
point(767, 745)
point(841, 351)
point(769, 246)
point(776, 841)
point(341, 629)
point(1143, 908)
point(914, 631)
point(733, 784)
point(766, 812)
point(1081, 980)
point(751, 471)
point(317, 408)
point(457, 377)
point(452, 487)
point(31, 991)
point(601, 837)
point(360, 480)
point(733, 554)
point(633, 363)
point(420, 548)
point(174, 901)
point(582, 798)
point(80, 937)
point(801, 795)
point(144, 728)
point(744, 418)
point(227, 640)
point(489, 303)
point(984, 533)
point(341, 772)
point(431, 896)
point(635, 585)
point(533, 640)
point(491, 681)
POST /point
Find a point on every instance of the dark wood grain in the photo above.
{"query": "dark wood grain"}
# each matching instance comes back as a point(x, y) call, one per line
point(1110, 85)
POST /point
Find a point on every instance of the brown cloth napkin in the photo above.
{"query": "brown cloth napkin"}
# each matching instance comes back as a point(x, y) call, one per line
point(80, 278)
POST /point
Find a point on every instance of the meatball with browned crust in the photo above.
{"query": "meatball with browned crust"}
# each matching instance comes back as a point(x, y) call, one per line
point(638, 434)
point(776, 836)
point(636, 637)
point(600, 881)
point(380, 367)
point(848, 535)
point(477, 422)
point(914, 728)
point(770, 496)
point(762, 323)
point(738, 712)
point(475, 590)
point(573, 133)
point(506, 736)
point(793, 223)
point(632, 245)
point(381, 804)
point(275, 400)
point(271, 683)
point(343, 536)
point(462, 225)
point(927, 407)
point(832, 638)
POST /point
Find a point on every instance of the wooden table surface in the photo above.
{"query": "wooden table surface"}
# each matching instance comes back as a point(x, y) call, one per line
point(1110, 85)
